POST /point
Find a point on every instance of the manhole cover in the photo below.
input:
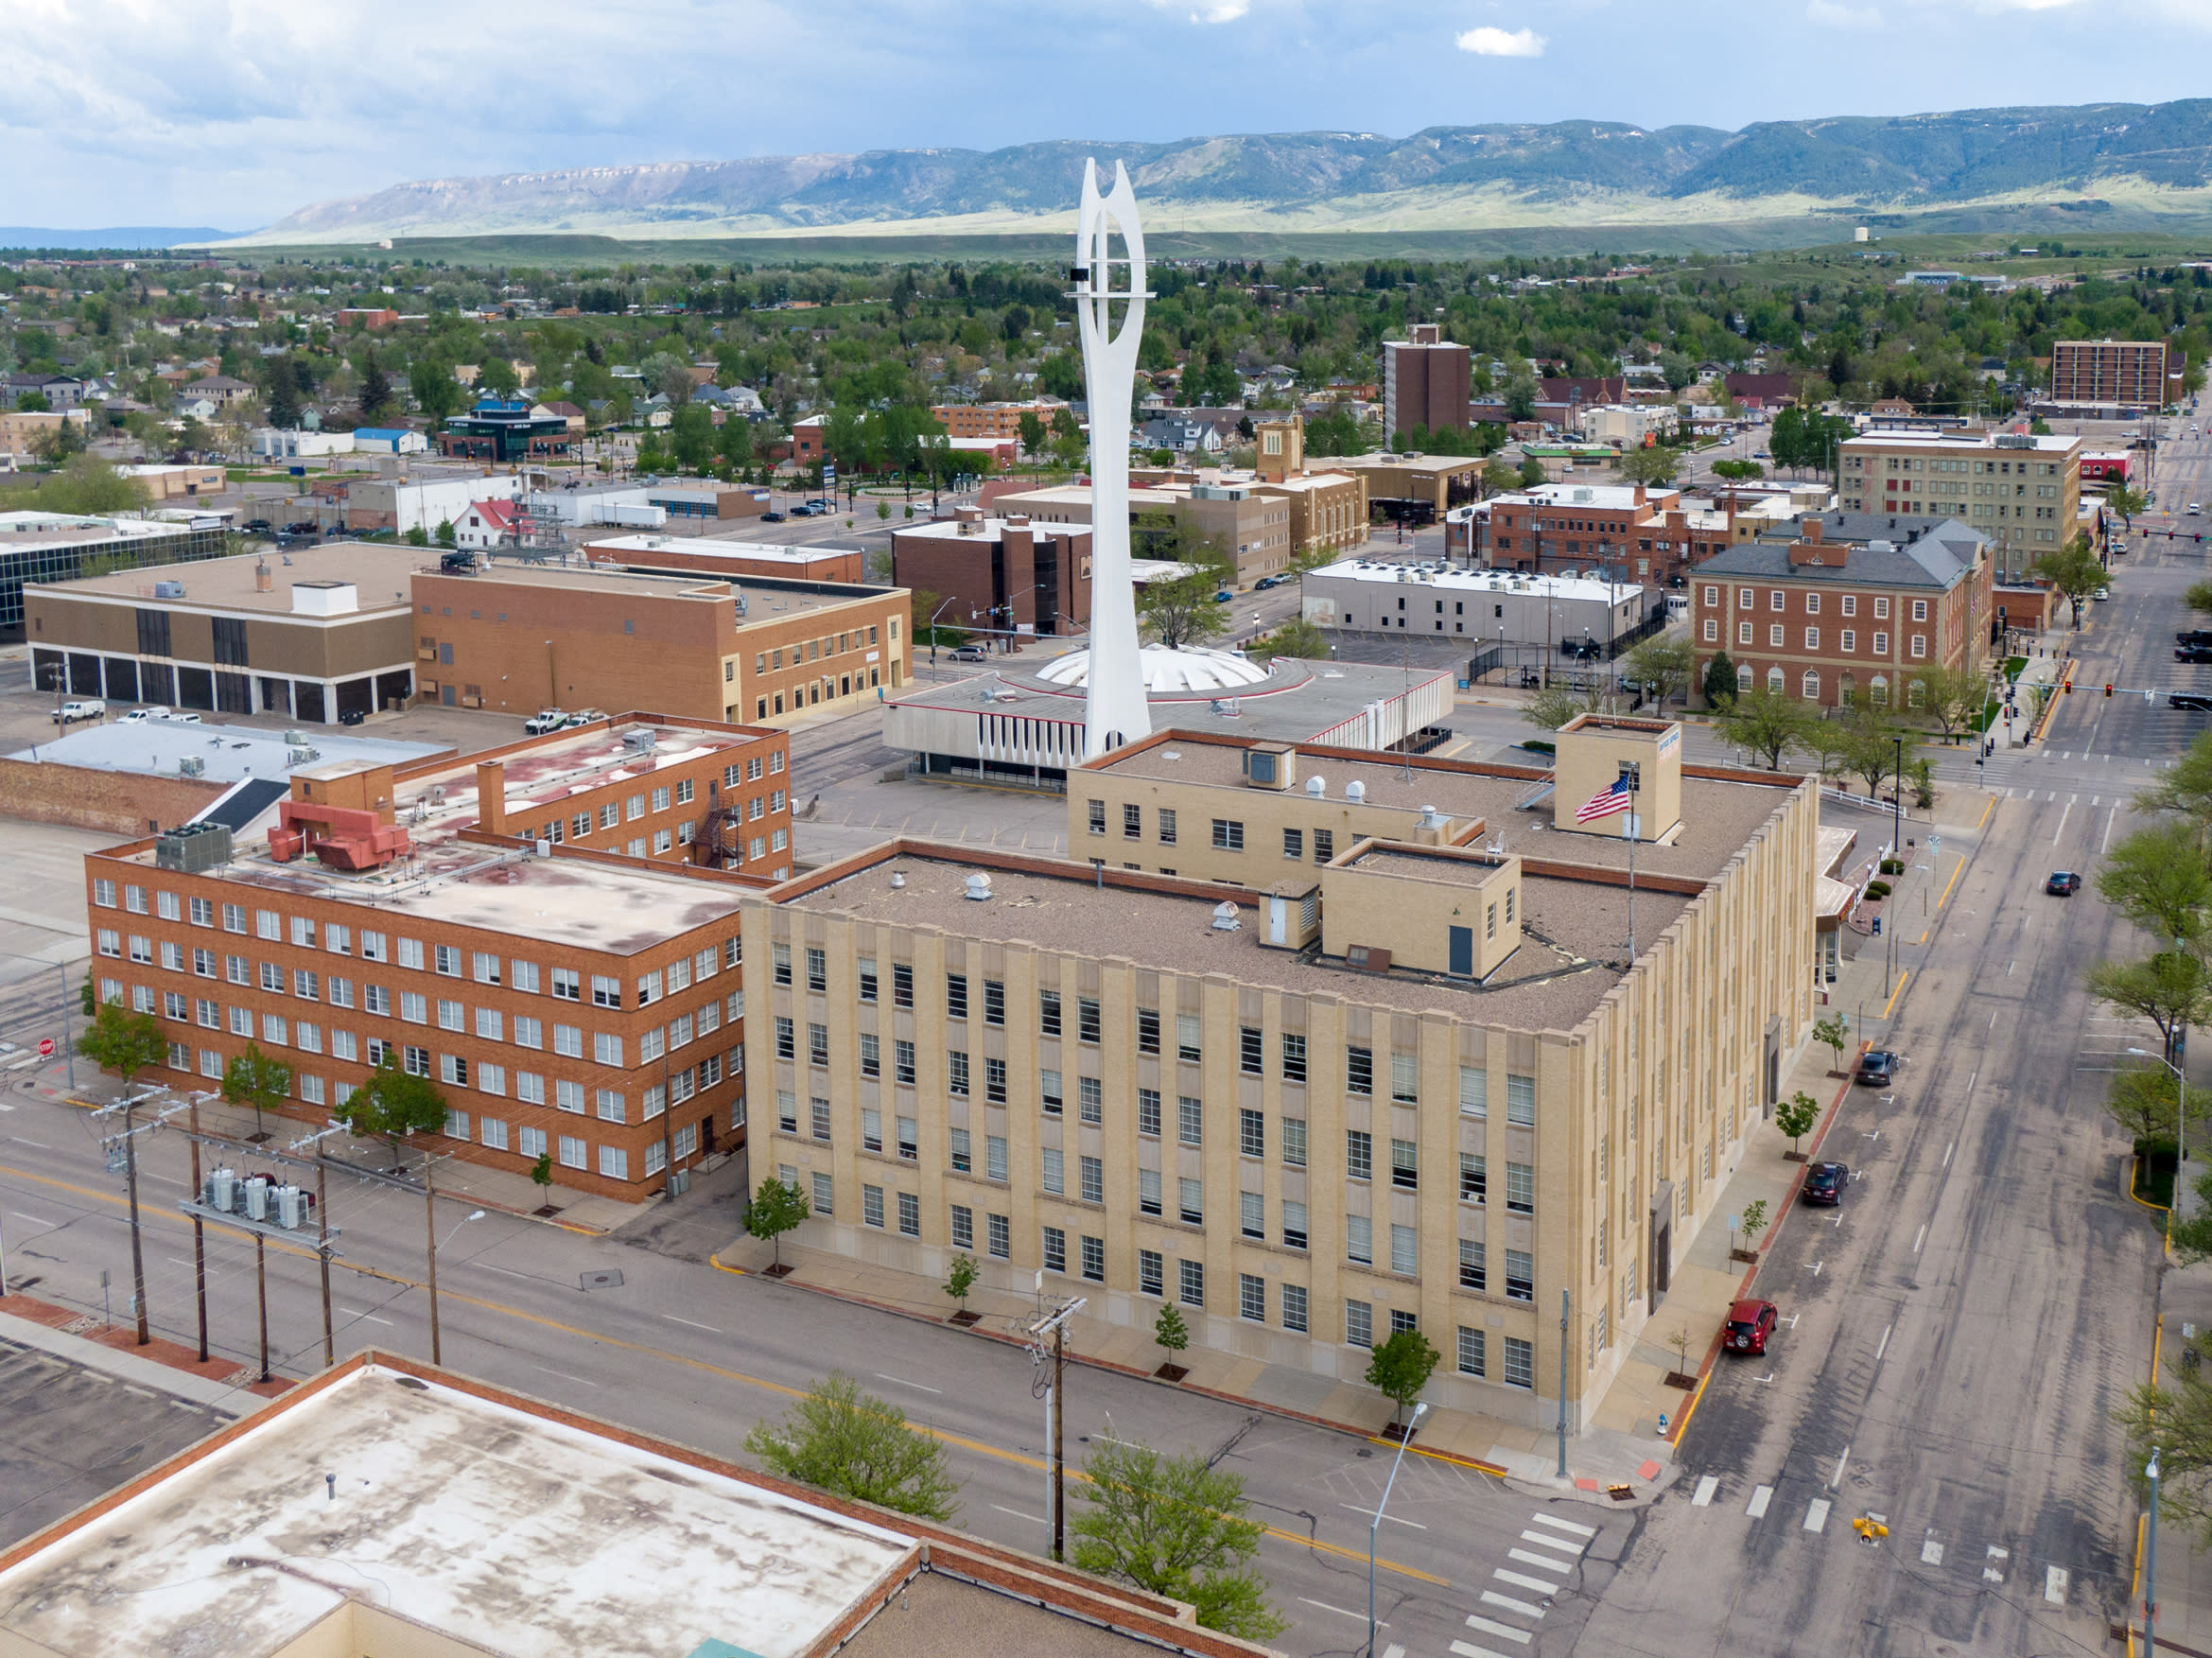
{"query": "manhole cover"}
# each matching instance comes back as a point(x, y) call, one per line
point(603, 1281)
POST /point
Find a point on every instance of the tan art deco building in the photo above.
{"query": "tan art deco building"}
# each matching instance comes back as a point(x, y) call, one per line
point(1315, 1047)
point(2022, 493)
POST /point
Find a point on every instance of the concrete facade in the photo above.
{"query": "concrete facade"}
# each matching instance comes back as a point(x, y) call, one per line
point(2023, 492)
point(2127, 373)
point(1229, 1090)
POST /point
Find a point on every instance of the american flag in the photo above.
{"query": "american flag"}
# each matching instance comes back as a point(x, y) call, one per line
point(1605, 802)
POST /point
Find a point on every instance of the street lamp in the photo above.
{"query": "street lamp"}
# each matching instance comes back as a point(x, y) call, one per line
point(2181, 1118)
point(1376, 1525)
point(437, 1357)
point(2150, 1559)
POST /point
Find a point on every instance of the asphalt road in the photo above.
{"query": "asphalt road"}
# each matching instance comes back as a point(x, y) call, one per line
point(676, 1348)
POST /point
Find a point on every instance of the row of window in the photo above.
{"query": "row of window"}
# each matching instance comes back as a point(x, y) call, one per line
point(447, 960)
point(1847, 641)
point(1293, 1301)
point(814, 650)
point(1777, 599)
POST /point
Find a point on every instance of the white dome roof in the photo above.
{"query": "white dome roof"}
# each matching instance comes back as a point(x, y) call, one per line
point(1167, 670)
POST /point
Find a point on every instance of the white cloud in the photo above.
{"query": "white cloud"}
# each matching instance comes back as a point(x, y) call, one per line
point(1499, 43)
point(1210, 10)
point(1830, 16)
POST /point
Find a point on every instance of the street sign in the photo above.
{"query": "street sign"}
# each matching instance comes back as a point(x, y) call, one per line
point(46, 1047)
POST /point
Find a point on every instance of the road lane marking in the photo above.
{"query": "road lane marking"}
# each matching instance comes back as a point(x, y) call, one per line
point(1948, 1151)
point(1706, 1487)
point(1468, 1650)
point(1844, 1461)
point(2054, 1586)
point(1931, 1553)
point(1506, 1629)
point(1760, 1498)
point(1039, 1520)
point(1524, 1581)
point(2109, 816)
point(1884, 1346)
point(1369, 1513)
point(1817, 1514)
point(1562, 1524)
point(880, 1376)
point(357, 1313)
point(564, 1375)
point(693, 1322)
point(1526, 1609)
point(1549, 1563)
point(1558, 1544)
point(686, 1361)
point(1993, 1567)
point(1816, 1266)
point(2062, 828)
point(1921, 1238)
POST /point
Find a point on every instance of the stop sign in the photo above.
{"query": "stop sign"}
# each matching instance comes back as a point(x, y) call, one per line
point(46, 1047)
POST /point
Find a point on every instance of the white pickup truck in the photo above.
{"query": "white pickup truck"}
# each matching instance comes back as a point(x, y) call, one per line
point(545, 720)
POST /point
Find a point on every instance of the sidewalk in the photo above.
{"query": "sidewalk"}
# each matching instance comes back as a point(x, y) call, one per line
point(1705, 1279)
point(459, 1180)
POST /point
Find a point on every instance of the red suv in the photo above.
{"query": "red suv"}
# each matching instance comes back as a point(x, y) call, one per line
point(1749, 1323)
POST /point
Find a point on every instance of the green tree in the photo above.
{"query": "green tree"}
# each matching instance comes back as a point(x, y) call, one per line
point(1169, 1331)
point(2191, 1235)
point(446, 536)
point(416, 536)
point(1180, 611)
point(1796, 1115)
point(2145, 1101)
point(1178, 1526)
point(777, 1207)
point(1661, 665)
point(840, 1439)
point(1951, 699)
point(391, 1105)
point(1877, 748)
point(1498, 478)
point(2074, 571)
point(2127, 502)
point(691, 437)
point(1297, 639)
point(541, 1173)
point(1656, 464)
point(1768, 723)
point(1400, 1367)
point(1719, 685)
point(1738, 471)
point(34, 403)
point(2168, 988)
point(2173, 1416)
point(1559, 703)
point(961, 1280)
point(123, 1041)
point(734, 440)
point(1532, 472)
point(1833, 1032)
point(2186, 786)
point(496, 376)
point(1520, 393)
point(374, 395)
point(253, 1078)
point(2156, 879)
point(436, 393)
point(1032, 432)
point(281, 396)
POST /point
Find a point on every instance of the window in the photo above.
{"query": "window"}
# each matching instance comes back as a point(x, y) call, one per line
point(1920, 610)
point(910, 1215)
point(819, 1113)
point(1132, 822)
point(1359, 1071)
point(995, 1157)
point(1056, 1249)
point(1359, 1325)
point(817, 1044)
point(1294, 845)
point(1048, 1012)
point(1089, 1099)
point(1520, 1363)
point(1190, 1282)
point(1475, 1181)
point(1092, 1173)
point(1294, 1224)
point(1148, 1111)
point(871, 1130)
point(1151, 1273)
point(1404, 1251)
point(872, 1206)
point(825, 1194)
point(1096, 814)
point(1359, 1239)
point(1190, 1201)
point(1850, 607)
point(1048, 1092)
point(1881, 644)
point(1521, 1101)
point(1471, 1352)
point(1056, 1171)
point(1324, 845)
point(963, 1160)
point(901, 984)
point(1187, 1037)
point(1850, 640)
point(1250, 1053)
point(867, 969)
point(1148, 1030)
point(963, 1227)
point(1228, 835)
point(1252, 1298)
point(1404, 1165)
point(572, 1151)
point(910, 1147)
point(1294, 1142)
point(1252, 1214)
point(1094, 1260)
point(994, 1001)
point(1520, 1275)
point(1359, 1154)
point(1473, 1270)
point(1881, 609)
point(1190, 1121)
point(1251, 1133)
point(1520, 1189)
point(1294, 1306)
point(956, 1072)
point(955, 995)
point(1167, 827)
point(1148, 1198)
point(1294, 1056)
point(998, 1236)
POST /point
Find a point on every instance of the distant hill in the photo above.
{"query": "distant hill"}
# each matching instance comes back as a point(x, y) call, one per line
point(119, 238)
point(2151, 160)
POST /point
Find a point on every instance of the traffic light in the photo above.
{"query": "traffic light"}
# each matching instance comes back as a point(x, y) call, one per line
point(2070, 688)
point(2108, 688)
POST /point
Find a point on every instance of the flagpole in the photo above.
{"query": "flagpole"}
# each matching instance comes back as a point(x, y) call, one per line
point(1633, 837)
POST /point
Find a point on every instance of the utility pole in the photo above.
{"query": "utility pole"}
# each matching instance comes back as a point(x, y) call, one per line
point(198, 1237)
point(1566, 1314)
point(261, 1292)
point(430, 1233)
point(1055, 1325)
point(321, 1260)
point(131, 1186)
point(2151, 1562)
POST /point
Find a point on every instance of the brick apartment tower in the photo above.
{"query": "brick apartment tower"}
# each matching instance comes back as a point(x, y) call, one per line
point(1425, 381)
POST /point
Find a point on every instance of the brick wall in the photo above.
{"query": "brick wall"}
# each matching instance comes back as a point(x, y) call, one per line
point(121, 803)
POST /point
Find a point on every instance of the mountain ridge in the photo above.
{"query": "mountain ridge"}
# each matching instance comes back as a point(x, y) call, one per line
point(1488, 174)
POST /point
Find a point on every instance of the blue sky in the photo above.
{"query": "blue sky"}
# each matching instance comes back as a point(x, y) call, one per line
point(231, 112)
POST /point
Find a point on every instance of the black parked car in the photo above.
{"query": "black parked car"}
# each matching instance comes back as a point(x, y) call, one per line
point(2193, 654)
point(1877, 1068)
point(1824, 1183)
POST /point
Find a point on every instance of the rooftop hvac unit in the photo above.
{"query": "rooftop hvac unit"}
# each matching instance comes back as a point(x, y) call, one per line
point(168, 589)
point(637, 742)
point(295, 739)
point(301, 756)
point(978, 887)
point(1356, 791)
point(1225, 918)
point(1317, 786)
point(193, 846)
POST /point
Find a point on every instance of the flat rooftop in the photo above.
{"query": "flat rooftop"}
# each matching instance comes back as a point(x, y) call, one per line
point(562, 899)
point(229, 753)
point(551, 771)
point(1574, 951)
point(381, 571)
point(1718, 815)
point(767, 597)
point(712, 547)
point(1296, 703)
point(1891, 438)
point(487, 1523)
point(1479, 581)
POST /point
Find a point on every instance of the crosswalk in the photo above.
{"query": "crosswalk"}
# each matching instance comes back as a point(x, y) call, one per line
point(1993, 1564)
point(1540, 1566)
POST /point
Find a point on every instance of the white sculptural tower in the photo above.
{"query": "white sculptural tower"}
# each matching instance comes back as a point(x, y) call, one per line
point(1114, 710)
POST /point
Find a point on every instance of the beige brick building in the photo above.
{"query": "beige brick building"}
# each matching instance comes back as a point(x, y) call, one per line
point(1315, 1049)
point(2131, 374)
point(2022, 492)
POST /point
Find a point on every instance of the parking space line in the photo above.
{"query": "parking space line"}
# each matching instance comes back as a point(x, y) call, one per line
point(1931, 1553)
point(2054, 1586)
point(1706, 1487)
point(1760, 1498)
point(1817, 1514)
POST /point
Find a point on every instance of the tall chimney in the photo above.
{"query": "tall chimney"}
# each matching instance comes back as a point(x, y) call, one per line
point(492, 796)
point(263, 581)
